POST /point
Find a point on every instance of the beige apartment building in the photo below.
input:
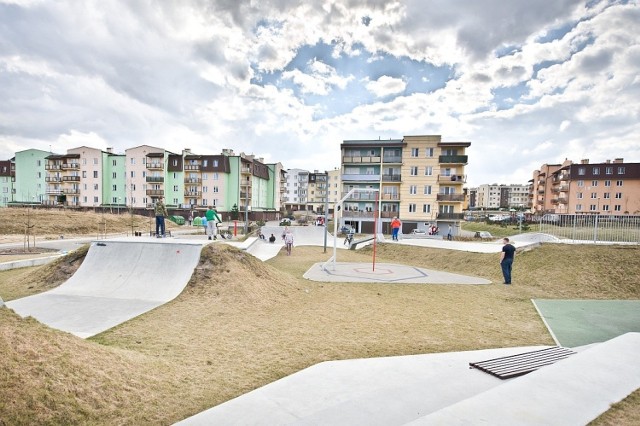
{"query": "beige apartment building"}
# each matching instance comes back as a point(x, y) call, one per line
point(612, 188)
point(420, 179)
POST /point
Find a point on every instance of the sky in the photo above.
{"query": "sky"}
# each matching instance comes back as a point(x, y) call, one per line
point(526, 82)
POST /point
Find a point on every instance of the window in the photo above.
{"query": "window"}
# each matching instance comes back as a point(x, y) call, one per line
point(95, 161)
point(617, 207)
point(175, 188)
point(578, 207)
point(216, 176)
point(607, 195)
point(605, 208)
point(215, 164)
point(133, 174)
point(428, 171)
point(412, 208)
point(205, 176)
point(84, 161)
point(414, 171)
point(594, 195)
point(592, 207)
point(114, 175)
point(429, 152)
point(413, 190)
point(581, 171)
point(95, 199)
point(204, 189)
point(84, 174)
point(115, 187)
point(618, 195)
point(427, 190)
point(426, 208)
point(579, 195)
point(95, 174)
point(620, 170)
point(596, 170)
point(580, 183)
point(205, 163)
point(84, 199)
point(175, 163)
point(618, 183)
point(133, 187)
point(133, 160)
point(95, 186)
point(414, 152)
point(84, 186)
point(608, 170)
point(607, 183)
point(594, 183)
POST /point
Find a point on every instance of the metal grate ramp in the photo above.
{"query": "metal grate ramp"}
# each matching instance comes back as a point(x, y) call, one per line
point(518, 365)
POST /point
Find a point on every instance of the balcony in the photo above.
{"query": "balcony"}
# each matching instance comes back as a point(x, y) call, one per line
point(457, 198)
point(540, 190)
point(361, 159)
point(392, 159)
point(457, 179)
point(245, 170)
point(450, 216)
point(192, 180)
point(70, 166)
point(155, 192)
point(392, 178)
point(71, 191)
point(71, 178)
point(155, 166)
point(356, 214)
point(453, 159)
point(193, 194)
point(564, 176)
point(563, 188)
point(192, 167)
point(563, 200)
point(156, 179)
point(53, 179)
point(52, 167)
point(364, 196)
point(360, 178)
point(554, 201)
point(53, 191)
point(390, 197)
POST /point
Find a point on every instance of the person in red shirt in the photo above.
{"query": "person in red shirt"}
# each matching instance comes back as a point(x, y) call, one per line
point(395, 228)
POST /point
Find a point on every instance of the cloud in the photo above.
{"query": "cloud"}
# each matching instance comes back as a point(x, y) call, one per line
point(386, 86)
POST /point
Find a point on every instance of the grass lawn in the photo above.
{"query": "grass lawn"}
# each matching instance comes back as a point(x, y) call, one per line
point(241, 324)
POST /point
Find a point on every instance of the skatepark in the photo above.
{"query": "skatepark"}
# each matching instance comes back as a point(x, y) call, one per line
point(420, 389)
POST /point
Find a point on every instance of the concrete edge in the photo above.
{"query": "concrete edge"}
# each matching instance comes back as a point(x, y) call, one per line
point(25, 263)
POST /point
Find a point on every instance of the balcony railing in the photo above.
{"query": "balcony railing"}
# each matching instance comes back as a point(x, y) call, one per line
point(361, 159)
point(53, 191)
point(453, 159)
point(69, 166)
point(192, 166)
point(192, 194)
point(155, 192)
point(392, 159)
point(454, 216)
point(360, 178)
point(367, 196)
point(52, 167)
point(156, 179)
point(450, 197)
point(563, 188)
point(353, 214)
point(53, 179)
point(391, 178)
point(245, 170)
point(71, 178)
point(192, 180)
point(457, 179)
point(563, 200)
point(390, 197)
point(155, 166)
point(71, 191)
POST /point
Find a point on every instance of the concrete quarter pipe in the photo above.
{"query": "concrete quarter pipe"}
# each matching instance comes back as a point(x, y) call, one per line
point(117, 281)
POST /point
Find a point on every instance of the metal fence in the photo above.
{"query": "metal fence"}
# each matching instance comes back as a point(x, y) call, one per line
point(592, 227)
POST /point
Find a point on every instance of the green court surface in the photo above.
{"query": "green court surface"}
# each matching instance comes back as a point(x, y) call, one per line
point(575, 323)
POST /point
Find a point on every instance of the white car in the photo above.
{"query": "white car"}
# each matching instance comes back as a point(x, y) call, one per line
point(419, 232)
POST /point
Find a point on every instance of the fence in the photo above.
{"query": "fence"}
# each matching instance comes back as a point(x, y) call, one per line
point(592, 227)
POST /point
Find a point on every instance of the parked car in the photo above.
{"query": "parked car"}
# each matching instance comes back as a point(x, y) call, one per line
point(419, 232)
point(499, 217)
point(483, 234)
point(346, 229)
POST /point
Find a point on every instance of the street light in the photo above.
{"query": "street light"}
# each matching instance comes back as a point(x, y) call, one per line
point(246, 219)
point(119, 202)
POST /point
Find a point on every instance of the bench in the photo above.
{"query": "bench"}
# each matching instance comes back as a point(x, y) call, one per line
point(355, 243)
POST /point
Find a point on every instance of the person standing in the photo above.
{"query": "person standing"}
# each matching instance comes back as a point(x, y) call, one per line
point(449, 236)
point(395, 228)
point(288, 241)
point(160, 211)
point(506, 259)
point(211, 214)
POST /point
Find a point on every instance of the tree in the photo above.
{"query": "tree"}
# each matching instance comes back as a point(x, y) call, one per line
point(235, 213)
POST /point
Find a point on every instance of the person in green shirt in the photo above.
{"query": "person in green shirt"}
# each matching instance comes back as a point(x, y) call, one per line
point(160, 211)
point(211, 214)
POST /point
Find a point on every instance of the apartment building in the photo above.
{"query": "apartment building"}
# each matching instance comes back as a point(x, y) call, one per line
point(334, 185)
point(317, 192)
point(612, 187)
point(418, 178)
point(7, 181)
point(30, 184)
point(297, 186)
point(494, 196)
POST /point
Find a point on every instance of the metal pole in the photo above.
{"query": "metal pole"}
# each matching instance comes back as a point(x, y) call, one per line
point(326, 219)
point(375, 228)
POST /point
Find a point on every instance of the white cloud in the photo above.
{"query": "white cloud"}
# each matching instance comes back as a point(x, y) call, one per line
point(385, 86)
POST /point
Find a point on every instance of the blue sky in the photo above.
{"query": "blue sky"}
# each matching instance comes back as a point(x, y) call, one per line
point(526, 83)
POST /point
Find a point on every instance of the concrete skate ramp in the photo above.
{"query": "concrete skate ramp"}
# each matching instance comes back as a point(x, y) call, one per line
point(117, 281)
point(302, 235)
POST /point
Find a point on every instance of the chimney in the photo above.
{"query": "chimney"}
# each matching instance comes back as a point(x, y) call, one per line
point(186, 151)
point(608, 161)
point(584, 161)
point(110, 150)
point(619, 160)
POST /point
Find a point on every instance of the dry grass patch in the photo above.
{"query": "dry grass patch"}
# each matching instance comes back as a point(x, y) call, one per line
point(241, 324)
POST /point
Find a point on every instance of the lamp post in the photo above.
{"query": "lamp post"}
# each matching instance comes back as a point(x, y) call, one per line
point(119, 202)
point(246, 219)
